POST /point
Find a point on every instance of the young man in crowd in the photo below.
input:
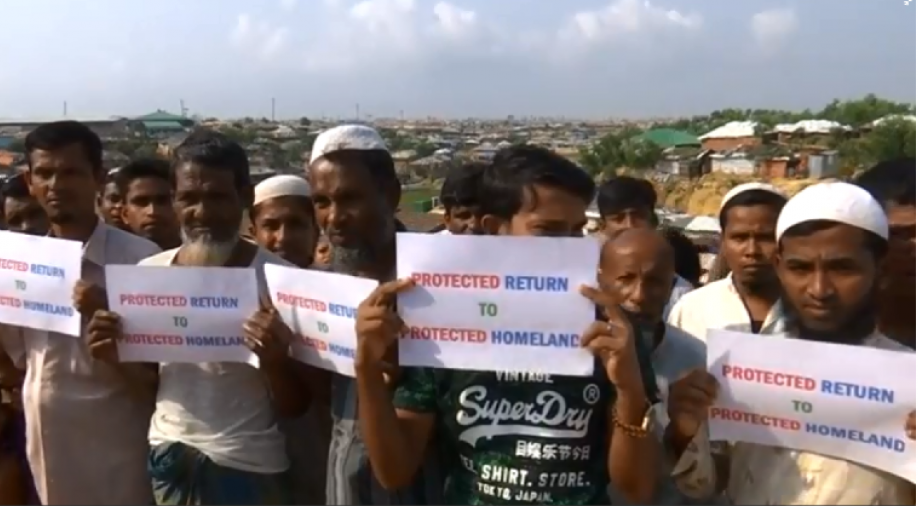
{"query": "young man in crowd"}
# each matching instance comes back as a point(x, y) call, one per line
point(526, 191)
point(459, 197)
point(77, 407)
point(637, 266)
point(283, 222)
point(892, 183)
point(627, 203)
point(356, 192)
point(146, 201)
point(744, 300)
point(20, 211)
point(214, 438)
point(110, 200)
point(831, 240)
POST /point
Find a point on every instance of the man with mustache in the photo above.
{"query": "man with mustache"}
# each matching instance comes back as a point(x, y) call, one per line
point(892, 183)
point(526, 191)
point(742, 301)
point(638, 266)
point(355, 192)
point(214, 437)
point(831, 240)
point(78, 409)
point(146, 201)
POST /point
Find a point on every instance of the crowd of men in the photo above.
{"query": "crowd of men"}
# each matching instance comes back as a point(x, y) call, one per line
point(834, 264)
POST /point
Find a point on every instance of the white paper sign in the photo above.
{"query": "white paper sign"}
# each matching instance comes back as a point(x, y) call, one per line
point(320, 308)
point(37, 277)
point(848, 402)
point(490, 303)
point(182, 314)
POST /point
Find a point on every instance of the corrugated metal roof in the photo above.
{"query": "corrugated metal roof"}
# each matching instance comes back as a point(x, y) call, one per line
point(732, 130)
point(810, 126)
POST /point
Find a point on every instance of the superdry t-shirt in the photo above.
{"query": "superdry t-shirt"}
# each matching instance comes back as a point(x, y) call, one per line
point(518, 438)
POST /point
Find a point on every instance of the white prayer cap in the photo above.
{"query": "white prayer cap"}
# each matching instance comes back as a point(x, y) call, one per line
point(836, 202)
point(347, 137)
point(748, 187)
point(281, 186)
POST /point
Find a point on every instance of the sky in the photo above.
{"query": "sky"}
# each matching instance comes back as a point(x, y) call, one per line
point(586, 59)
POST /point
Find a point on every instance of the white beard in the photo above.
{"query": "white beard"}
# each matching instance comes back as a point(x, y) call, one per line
point(203, 251)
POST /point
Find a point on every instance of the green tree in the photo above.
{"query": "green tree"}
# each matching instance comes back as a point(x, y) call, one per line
point(621, 149)
point(304, 122)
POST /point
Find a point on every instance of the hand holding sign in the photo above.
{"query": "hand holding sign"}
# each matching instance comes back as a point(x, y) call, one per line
point(378, 324)
point(89, 298)
point(267, 335)
point(612, 341)
point(690, 398)
point(910, 426)
point(103, 332)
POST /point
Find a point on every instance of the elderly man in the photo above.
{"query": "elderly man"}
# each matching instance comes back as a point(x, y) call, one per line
point(637, 266)
point(831, 240)
point(356, 192)
point(742, 301)
point(214, 437)
point(77, 408)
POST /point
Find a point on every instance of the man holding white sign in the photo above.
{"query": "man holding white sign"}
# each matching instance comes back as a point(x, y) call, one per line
point(75, 406)
point(831, 241)
point(214, 437)
point(522, 438)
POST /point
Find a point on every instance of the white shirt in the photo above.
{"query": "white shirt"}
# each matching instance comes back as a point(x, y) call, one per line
point(716, 305)
point(86, 423)
point(221, 409)
point(770, 475)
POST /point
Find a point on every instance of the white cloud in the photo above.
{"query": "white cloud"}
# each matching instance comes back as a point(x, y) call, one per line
point(376, 33)
point(772, 28)
point(261, 38)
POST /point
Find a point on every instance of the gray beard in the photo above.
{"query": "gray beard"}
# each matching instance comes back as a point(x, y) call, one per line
point(351, 261)
point(202, 250)
point(361, 259)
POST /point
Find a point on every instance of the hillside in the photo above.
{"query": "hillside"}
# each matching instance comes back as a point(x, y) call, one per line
point(703, 196)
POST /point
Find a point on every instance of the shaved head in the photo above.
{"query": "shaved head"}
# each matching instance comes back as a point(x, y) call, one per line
point(647, 243)
point(639, 266)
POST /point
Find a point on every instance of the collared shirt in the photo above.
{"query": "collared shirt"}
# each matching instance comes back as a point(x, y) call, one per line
point(221, 409)
point(714, 306)
point(762, 474)
point(86, 424)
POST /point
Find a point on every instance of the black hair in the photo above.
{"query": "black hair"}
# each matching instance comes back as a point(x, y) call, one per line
point(750, 198)
point(890, 181)
point(461, 186)
point(216, 151)
point(688, 263)
point(873, 242)
point(516, 169)
point(625, 192)
point(15, 187)
point(59, 134)
point(138, 169)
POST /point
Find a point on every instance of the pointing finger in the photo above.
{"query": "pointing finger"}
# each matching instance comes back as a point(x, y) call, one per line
point(607, 301)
